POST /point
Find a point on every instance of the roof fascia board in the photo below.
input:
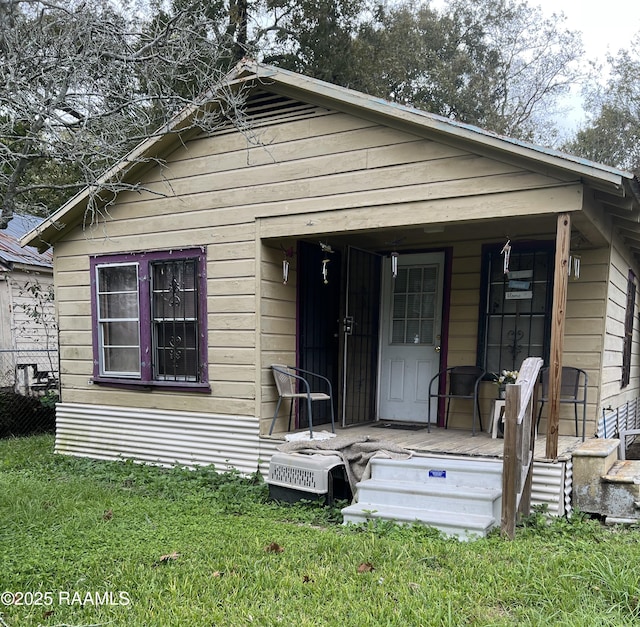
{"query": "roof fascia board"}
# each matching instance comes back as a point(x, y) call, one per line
point(29, 267)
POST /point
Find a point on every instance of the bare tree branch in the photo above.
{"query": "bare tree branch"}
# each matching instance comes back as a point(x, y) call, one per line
point(81, 84)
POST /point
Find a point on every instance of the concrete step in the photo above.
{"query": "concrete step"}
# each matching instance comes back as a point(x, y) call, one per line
point(430, 496)
point(451, 471)
point(463, 526)
point(619, 493)
point(623, 471)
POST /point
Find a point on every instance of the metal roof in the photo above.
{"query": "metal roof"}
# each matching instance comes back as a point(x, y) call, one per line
point(10, 250)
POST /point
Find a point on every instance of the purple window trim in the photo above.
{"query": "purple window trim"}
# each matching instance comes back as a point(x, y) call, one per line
point(627, 342)
point(150, 386)
point(144, 260)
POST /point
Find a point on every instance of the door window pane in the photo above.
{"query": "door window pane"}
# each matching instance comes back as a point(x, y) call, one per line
point(414, 296)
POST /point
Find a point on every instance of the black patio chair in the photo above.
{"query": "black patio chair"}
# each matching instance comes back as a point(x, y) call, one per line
point(573, 390)
point(460, 382)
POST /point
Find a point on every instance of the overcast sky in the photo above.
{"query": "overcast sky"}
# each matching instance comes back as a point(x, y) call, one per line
point(606, 25)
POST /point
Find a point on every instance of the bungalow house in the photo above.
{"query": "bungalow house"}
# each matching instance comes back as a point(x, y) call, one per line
point(350, 236)
point(28, 334)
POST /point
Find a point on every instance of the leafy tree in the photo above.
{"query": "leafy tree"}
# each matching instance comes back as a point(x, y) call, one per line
point(612, 134)
point(495, 63)
point(313, 37)
point(81, 84)
point(539, 59)
point(429, 60)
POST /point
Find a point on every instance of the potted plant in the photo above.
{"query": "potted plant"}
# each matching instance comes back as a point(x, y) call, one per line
point(507, 376)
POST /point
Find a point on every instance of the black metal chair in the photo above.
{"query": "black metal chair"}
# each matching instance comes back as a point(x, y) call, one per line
point(461, 382)
point(292, 385)
point(573, 389)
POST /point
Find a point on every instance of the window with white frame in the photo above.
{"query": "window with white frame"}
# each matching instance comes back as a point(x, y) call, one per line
point(150, 318)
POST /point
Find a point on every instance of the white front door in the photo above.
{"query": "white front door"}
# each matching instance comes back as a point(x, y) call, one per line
point(410, 336)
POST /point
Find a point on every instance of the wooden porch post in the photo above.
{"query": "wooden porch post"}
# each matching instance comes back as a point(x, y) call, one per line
point(558, 315)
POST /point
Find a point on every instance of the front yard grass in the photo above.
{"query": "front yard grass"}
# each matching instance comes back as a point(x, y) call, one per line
point(87, 542)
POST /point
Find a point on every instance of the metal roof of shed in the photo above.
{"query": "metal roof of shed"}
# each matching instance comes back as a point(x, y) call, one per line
point(11, 252)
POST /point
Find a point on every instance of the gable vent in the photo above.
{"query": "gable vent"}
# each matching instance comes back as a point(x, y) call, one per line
point(263, 108)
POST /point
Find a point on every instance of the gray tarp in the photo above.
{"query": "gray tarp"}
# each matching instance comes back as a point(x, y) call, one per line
point(356, 451)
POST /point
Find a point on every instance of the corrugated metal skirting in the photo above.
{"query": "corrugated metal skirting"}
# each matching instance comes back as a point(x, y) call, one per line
point(159, 437)
point(551, 486)
point(613, 421)
point(187, 438)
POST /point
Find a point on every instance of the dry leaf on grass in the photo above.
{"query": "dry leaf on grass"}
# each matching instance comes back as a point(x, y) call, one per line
point(108, 514)
point(165, 559)
point(274, 547)
point(366, 567)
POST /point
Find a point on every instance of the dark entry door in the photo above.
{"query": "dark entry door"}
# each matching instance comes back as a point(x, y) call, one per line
point(318, 324)
point(360, 336)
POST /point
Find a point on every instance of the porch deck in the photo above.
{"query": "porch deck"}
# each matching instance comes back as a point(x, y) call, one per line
point(446, 441)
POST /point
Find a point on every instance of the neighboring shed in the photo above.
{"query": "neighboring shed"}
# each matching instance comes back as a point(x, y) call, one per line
point(28, 330)
point(173, 309)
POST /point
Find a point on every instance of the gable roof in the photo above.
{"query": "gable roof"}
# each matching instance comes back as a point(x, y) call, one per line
point(620, 190)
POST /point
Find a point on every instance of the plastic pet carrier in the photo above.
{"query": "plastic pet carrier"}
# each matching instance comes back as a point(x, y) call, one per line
point(295, 477)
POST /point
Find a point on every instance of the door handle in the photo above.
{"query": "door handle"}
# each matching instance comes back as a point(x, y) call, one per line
point(348, 325)
point(437, 349)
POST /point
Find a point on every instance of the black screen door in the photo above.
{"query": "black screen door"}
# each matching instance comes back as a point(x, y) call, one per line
point(360, 334)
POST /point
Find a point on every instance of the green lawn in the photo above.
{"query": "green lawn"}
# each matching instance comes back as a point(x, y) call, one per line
point(119, 544)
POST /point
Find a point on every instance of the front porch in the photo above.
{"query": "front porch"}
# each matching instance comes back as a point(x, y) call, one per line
point(552, 480)
point(440, 441)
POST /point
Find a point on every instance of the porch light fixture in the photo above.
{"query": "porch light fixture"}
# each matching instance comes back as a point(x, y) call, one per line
point(394, 264)
point(506, 251)
point(288, 253)
point(574, 262)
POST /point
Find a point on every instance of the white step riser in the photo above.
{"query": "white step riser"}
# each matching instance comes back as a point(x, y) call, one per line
point(462, 497)
point(461, 530)
point(451, 480)
point(417, 470)
point(374, 492)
